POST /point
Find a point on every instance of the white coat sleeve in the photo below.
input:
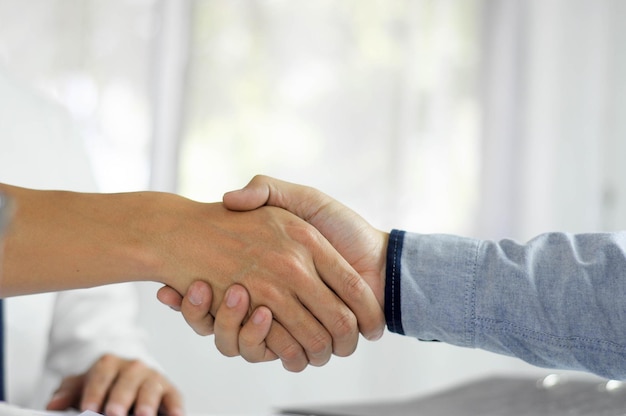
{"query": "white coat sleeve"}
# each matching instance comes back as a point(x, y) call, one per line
point(87, 324)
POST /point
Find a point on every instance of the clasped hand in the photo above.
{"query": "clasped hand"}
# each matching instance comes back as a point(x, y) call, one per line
point(302, 301)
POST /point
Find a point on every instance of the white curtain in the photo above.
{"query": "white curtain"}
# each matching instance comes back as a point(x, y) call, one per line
point(554, 130)
point(372, 101)
point(96, 59)
point(492, 118)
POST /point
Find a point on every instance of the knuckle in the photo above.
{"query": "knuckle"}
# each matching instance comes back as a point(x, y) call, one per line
point(295, 366)
point(107, 360)
point(320, 344)
point(104, 365)
point(306, 234)
point(253, 356)
point(136, 366)
point(345, 325)
point(291, 352)
point(248, 342)
point(267, 293)
point(354, 286)
point(226, 349)
point(156, 385)
point(259, 178)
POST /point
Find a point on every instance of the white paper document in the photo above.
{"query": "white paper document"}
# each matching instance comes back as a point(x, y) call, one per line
point(9, 410)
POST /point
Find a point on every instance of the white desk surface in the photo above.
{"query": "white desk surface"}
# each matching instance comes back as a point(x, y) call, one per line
point(9, 410)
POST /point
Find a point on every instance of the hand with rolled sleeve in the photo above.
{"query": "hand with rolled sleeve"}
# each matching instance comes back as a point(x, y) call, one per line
point(114, 385)
point(85, 240)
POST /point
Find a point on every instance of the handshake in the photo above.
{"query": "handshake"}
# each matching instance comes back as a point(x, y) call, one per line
point(277, 271)
point(283, 271)
point(306, 274)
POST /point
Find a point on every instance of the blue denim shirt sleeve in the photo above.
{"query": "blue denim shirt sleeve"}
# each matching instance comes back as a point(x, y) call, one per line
point(558, 301)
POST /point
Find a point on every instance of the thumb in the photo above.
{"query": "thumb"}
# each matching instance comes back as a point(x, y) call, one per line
point(170, 297)
point(300, 200)
point(254, 195)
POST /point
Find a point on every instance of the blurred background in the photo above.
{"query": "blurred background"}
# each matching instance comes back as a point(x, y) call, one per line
point(486, 118)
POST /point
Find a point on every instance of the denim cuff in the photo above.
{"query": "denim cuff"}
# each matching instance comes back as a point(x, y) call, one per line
point(393, 310)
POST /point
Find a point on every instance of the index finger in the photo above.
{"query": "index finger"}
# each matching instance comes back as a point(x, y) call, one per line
point(98, 381)
point(351, 290)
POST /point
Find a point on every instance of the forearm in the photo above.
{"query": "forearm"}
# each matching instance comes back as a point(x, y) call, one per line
point(63, 240)
point(556, 301)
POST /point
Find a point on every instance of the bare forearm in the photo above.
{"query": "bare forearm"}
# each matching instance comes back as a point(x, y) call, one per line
point(62, 240)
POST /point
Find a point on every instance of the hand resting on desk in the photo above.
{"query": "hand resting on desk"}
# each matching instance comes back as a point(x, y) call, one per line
point(113, 385)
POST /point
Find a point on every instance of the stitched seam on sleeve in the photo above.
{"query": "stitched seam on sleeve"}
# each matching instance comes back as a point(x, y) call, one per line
point(393, 280)
point(470, 301)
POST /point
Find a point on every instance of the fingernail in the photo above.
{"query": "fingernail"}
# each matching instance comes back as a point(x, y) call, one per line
point(176, 412)
point(376, 336)
point(144, 410)
point(258, 318)
point(91, 407)
point(195, 298)
point(114, 409)
point(232, 298)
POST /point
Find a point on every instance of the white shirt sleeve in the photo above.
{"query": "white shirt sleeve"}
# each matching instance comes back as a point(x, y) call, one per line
point(85, 325)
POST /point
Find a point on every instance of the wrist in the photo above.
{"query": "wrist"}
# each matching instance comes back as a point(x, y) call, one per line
point(382, 275)
point(176, 236)
point(122, 229)
point(153, 220)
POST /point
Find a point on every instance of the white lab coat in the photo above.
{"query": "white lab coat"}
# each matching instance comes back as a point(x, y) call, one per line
point(50, 336)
